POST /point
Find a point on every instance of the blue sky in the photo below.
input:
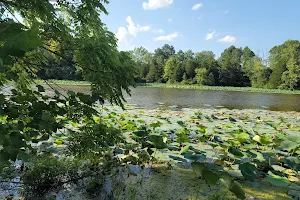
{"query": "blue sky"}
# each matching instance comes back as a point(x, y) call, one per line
point(203, 24)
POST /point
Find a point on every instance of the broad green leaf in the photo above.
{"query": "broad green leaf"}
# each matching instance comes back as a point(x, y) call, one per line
point(210, 176)
point(259, 156)
point(194, 156)
point(182, 137)
point(237, 190)
point(157, 141)
point(235, 151)
point(17, 40)
point(58, 141)
point(198, 168)
point(277, 180)
point(278, 168)
point(141, 133)
point(289, 145)
point(184, 149)
point(243, 137)
point(40, 88)
point(249, 171)
point(202, 128)
point(232, 119)
point(155, 125)
point(23, 156)
point(181, 123)
point(257, 138)
point(1, 64)
point(2, 98)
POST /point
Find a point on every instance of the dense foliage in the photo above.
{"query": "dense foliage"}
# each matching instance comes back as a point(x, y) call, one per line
point(235, 67)
point(40, 37)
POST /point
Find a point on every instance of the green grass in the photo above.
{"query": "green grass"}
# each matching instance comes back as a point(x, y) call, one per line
point(219, 88)
point(181, 86)
point(63, 82)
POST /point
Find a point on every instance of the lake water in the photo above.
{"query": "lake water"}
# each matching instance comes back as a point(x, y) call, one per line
point(152, 97)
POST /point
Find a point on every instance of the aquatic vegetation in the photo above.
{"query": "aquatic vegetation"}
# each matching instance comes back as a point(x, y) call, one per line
point(223, 147)
point(222, 88)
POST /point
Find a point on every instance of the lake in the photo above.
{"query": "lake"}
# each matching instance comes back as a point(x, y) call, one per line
point(154, 97)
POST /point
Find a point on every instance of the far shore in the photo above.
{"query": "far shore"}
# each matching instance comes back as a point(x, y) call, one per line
point(183, 86)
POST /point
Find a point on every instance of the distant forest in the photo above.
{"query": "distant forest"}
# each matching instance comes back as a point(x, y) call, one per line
point(238, 67)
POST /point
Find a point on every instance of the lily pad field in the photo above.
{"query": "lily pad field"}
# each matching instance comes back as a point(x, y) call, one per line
point(205, 153)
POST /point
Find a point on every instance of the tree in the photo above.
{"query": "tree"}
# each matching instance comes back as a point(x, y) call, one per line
point(170, 69)
point(138, 54)
point(231, 73)
point(180, 55)
point(247, 55)
point(156, 70)
point(203, 77)
point(206, 59)
point(29, 116)
point(189, 55)
point(285, 65)
point(190, 66)
point(165, 52)
point(257, 72)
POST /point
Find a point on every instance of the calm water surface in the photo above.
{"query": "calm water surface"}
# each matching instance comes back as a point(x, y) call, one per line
point(151, 97)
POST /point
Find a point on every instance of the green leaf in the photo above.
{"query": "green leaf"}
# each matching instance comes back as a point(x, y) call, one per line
point(58, 141)
point(198, 168)
point(202, 128)
point(243, 137)
point(289, 145)
point(17, 40)
point(257, 138)
point(23, 156)
point(249, 171)
point(184, 149)
point(182, 137)
point(259, 156)
point(278, 168)
point(232, 119)
point(155, 124)
point(141, 133)
point(235, 151)
point(210, 176)
point(40, 88)
point(157, 141)
point(277, 180)
point(2, 98)
point(1, 64)
point(237, 190)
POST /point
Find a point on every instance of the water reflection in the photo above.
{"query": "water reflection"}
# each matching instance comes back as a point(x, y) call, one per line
point(151, 98)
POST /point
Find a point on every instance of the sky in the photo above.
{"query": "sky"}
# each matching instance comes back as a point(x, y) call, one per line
point(203, 24)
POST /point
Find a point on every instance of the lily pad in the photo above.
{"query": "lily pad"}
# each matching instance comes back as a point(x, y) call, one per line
point(277, 180)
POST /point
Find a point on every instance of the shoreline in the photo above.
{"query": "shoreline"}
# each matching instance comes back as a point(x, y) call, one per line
point(181, 86)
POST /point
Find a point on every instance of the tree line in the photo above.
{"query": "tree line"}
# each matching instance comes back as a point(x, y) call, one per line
point(238, 67)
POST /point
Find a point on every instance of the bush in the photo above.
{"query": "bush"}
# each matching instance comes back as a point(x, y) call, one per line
point(45, 173)
point(93, 140)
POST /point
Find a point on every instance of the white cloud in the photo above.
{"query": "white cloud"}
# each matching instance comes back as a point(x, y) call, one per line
point(126, 35)
point(156, 4)
point(228, 39)
point(158, 30)
point(196, 6)
point(169, 37)
point(133, 29)
point(170, 20)
point(210, 36)
point(122, 35)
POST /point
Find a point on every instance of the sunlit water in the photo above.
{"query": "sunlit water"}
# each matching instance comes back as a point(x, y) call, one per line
point(151, 98)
